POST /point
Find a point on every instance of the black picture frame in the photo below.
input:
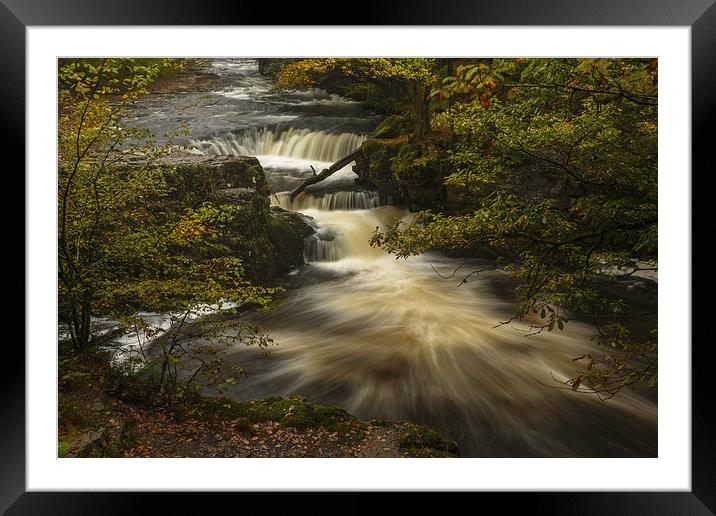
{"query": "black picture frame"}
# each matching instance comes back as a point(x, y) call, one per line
point(17, 15)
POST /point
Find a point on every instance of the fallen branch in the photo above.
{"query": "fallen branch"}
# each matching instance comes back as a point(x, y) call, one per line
point(317, 178)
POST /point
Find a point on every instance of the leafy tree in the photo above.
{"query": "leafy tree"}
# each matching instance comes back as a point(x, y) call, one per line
point(125, 245)
point(91, 190)
point(414, 76)
point(557, 160)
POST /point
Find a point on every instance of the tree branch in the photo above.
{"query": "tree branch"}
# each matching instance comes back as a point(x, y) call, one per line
point(326, 172)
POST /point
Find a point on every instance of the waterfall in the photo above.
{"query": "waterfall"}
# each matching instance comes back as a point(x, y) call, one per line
point(336, 237)
point(330, 201)
point(342, 230)
point(295, 143)
point(324, 246)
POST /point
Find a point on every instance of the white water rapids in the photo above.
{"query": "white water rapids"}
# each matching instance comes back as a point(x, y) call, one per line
point(390, 339)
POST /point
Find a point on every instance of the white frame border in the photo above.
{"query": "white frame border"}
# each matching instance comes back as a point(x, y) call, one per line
point(670, 471)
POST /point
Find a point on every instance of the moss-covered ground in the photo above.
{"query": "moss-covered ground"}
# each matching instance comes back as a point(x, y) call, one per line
point(101, 415)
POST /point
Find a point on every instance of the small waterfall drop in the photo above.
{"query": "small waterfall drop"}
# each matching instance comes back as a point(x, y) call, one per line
point(324, 246)
point(343, 222)
point(330, 201)
point(303, 144)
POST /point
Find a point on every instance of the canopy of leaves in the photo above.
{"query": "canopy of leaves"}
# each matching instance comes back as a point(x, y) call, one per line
point(309, 72)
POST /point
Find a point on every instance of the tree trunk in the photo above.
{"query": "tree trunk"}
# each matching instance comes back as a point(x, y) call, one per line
point(451, 102)
point(421, 108)
point(74, 325)
point(85, 326)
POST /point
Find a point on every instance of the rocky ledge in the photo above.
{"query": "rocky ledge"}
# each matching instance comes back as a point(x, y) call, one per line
point(268, 240)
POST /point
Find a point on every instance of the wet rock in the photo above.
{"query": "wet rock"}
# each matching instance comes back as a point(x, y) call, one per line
point(197, 179)
point(326, 234)
point(269, 242)
point(286, 232)
point(403, 172)
point(236, 195)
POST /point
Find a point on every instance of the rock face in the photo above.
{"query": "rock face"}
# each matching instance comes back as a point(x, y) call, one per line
point(210, 178)
point(374, 169)
point(268, 241)
point(405, 173)
point(287, 232)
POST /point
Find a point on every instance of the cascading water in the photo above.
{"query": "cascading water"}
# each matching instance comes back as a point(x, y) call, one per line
point(344, 200)
point(390, 339)
point(330, 215)
point(303, 144)
point(287, 154)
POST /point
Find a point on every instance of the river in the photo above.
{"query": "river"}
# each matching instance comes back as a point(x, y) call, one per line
point(387, 338)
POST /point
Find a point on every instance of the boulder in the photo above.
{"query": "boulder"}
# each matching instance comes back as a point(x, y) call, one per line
point(268, 242)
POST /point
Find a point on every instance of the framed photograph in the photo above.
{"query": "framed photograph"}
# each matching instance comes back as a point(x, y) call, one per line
point(447, 249)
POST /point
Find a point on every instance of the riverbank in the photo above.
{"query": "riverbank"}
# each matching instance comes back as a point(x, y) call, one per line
point(103, 413)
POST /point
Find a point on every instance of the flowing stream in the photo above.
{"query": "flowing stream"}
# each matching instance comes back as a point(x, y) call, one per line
point(387, 338)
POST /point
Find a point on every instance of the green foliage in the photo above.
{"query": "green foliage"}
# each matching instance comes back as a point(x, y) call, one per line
point(558, 159)
point(626, 362)
point(293, 411)
point(391, 127)
point(120, 75)
point(414, 161)
point(306, 72)
point(272, 66)
point(125, 245)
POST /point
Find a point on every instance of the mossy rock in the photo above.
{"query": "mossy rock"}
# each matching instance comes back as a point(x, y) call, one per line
point(392, 127)
point(351, 432)
point(378, 150)
point(293, 411)
point(374, 168)
point(103, 442)
point(201, 177)
point(424, 453)
point(80, 416)
point(90, 444)
point(272, 66)
point(135, 386)
point(218, 409)
point(417, 163)
point(298, 413)
point(381, 422)
point(63, 447)
point(414, 437)
point(404, 172)
point(286, 233)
